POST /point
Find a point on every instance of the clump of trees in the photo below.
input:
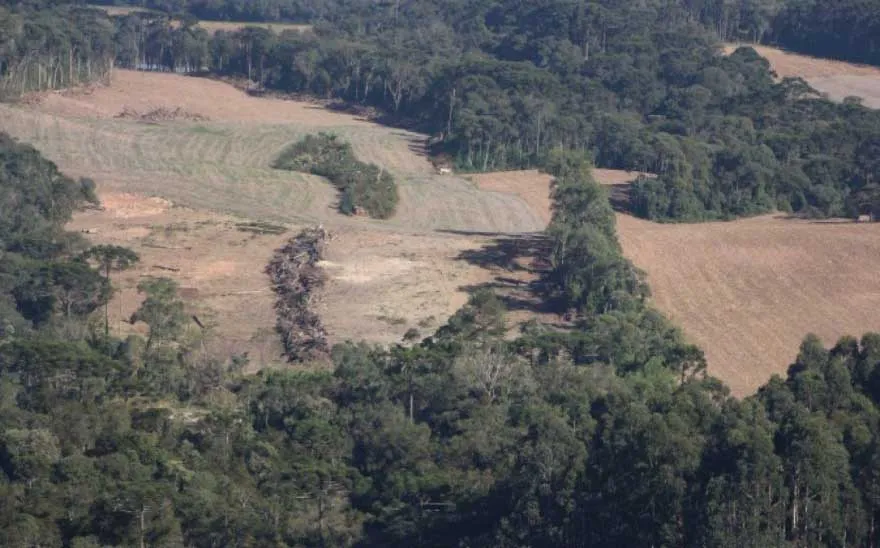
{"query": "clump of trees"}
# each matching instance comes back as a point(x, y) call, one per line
point(363, 187)
point(296, 279)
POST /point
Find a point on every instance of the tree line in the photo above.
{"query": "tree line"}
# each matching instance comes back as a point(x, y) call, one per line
point(499, 85)
point(608, 433)
point(44, 49)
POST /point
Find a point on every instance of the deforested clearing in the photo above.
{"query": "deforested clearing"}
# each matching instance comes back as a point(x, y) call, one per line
point(219, 155)
point(836, 79)
point(745, 291)
point(193, 190)
point(232, 26)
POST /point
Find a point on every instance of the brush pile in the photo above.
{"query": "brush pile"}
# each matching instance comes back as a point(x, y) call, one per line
point(161, 114)
point(296, 279)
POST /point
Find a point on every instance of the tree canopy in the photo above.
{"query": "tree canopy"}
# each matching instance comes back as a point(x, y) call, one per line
point(607, 433)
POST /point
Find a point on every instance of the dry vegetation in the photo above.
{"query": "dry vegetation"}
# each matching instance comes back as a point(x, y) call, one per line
point(837, 79)
point(207, 150)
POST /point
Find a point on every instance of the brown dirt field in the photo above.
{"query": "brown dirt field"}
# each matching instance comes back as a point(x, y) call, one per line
point(223, 163)
point(218, 267)
point(532, 186)
point(382, 284)
point(145, 91)
point(748, 291)
point(207, 176)
point(836, 79)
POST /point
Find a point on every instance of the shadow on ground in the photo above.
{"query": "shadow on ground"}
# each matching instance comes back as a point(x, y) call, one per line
point(618, 196)
point(518, 262)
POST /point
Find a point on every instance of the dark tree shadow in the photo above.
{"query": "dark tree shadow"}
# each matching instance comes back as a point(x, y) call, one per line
point(619, 197)
point(520, 262)
point(509, 251)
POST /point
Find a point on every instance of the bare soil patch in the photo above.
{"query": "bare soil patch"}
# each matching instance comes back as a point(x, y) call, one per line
point(748, 291)
point(219, 269)
point(836, 79)
point(146, 91)
point(532, 186)
point(381, 284)
point(212, 188)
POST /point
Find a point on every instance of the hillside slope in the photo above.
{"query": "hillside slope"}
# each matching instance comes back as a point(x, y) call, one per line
point(836, 79)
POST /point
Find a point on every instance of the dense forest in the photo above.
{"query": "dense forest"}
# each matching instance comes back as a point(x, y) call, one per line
point(610, 433)
point(638, 86)
point(844, 29)
point(607, 434)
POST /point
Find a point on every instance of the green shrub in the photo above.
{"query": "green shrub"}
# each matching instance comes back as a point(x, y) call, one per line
point(362, 186)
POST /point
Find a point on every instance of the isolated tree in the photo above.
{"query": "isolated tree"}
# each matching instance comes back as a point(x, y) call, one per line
point(111, 258)
point(162, 311)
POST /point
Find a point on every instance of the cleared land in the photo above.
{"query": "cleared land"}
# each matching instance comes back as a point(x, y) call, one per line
point(746, 291)
point(229, 26)
point(836, 79)
point(182, 163)
point(212, 26)
point(215, 258)
point(223, 163)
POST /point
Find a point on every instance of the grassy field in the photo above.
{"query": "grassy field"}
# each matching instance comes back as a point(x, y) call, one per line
point(178, 191)
point(222, 163)
point(836, 79)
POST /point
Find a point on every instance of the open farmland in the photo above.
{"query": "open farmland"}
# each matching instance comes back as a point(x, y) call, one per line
point(182, 163)
point(746, 291)
point(836, 79)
